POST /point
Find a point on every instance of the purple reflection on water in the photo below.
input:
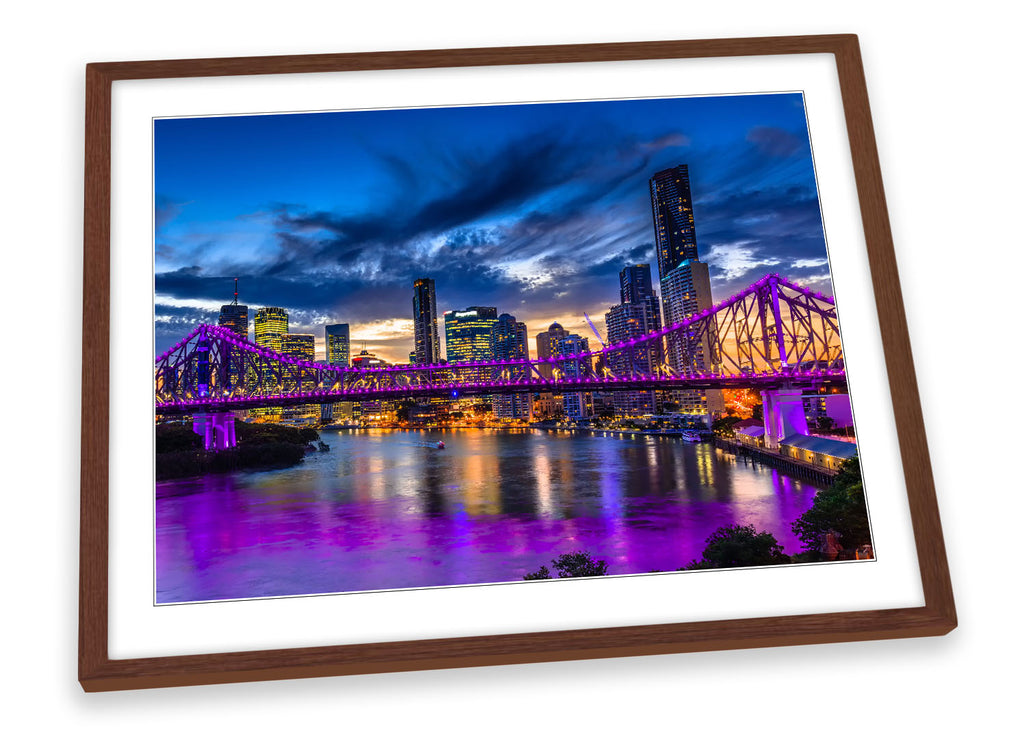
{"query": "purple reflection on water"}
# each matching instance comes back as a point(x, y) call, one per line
point(386, 509)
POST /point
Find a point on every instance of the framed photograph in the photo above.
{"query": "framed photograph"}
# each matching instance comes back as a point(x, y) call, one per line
point(434, 359)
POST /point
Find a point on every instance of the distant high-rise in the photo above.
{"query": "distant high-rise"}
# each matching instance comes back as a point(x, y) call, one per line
point(636, 288)
point(337, 345)
point(545, 346)
point(635, 284)
point(337, 351)
point(509, 343)
point(301, 346)
point(625, 322)
point(576, 404)
point(424, 315)
point(467, 335)
point(269, 324)
point(685, 284)
point(675, 238)
point(235, 317)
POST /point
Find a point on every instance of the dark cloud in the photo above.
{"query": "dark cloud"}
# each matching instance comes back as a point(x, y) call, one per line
point(775, 141)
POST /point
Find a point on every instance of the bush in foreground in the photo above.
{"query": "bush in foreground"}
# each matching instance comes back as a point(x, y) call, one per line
point(579, 564)
point(739, 546)
point(839, 511)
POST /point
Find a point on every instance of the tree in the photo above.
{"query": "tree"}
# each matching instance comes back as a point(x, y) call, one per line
point(724, 425)
point(579, 564)
point(838, 510)
point(739, 546)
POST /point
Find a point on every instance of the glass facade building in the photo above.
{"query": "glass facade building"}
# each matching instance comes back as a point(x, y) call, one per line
point(427, 349)
point(675, 238)
point(337, 344)
point(467, 336)
point(685, 284)
point(509, 343)
point(577, 405)
point(269, 325)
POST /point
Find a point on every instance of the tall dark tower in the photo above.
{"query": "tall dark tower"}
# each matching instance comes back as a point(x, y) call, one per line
point(685, 284)
point(672, 206)
point(235, 317)
point(424, 315)
point(635, 284)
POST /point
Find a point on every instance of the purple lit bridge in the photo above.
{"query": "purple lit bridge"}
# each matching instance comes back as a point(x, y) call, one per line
point(774, 336)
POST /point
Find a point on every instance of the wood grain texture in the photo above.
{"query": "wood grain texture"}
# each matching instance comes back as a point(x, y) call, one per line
point(97, 672)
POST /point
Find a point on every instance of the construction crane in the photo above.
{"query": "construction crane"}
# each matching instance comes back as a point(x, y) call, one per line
point(591, 324)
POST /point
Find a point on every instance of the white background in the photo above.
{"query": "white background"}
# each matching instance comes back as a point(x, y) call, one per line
point(943, 85)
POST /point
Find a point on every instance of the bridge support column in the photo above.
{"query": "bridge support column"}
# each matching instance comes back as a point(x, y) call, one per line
point(217, 429)
point(783, 415)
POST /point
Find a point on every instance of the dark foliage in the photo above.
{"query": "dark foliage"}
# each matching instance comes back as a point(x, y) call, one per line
point(738, 546)
point(179, 451)
point(579, 564)
point(173, 438)
point(839, 510)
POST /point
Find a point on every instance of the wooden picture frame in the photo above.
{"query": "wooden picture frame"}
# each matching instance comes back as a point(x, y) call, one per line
point(99, 672)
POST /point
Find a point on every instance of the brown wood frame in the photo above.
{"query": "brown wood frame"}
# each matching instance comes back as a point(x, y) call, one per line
point(97, 672)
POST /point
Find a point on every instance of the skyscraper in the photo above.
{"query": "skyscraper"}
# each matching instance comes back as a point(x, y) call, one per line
point(269, 325)
point(337, 351)
point(675, 238)
point(235, 317)
point(467, 335)
point(301, 346)
point(545, 346)
point(625, 322)
point(508, 343)
point(576, 404)
point(636, 288)
point(424, 315)
point(337, 346)
point(685, 283)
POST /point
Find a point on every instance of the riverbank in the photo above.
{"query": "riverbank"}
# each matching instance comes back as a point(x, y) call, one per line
point(261, 447)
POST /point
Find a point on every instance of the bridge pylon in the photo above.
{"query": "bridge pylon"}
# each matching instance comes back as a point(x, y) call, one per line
point(216, 428)
point(783, 415)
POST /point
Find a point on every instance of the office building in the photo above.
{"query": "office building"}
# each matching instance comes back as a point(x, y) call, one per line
point(337, 350)
point(337, 344)
point(235, 317)
point(577, 405)
point(467, 336)
point(625, 322)
point(509, 343)
point(685, 287)
point(427, 348)
point(303, 347)
point(269, 325)
point(545, 346)
point(675, 238)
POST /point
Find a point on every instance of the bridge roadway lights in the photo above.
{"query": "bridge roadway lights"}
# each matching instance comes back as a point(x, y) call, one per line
point(783, 415)
point(217, 429)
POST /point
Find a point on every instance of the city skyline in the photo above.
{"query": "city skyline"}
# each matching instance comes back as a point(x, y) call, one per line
point(532, 209)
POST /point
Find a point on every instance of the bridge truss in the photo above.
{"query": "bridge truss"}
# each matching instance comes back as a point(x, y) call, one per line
point(772, 334)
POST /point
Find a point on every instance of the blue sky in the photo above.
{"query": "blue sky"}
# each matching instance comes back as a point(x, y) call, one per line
point(532, 209)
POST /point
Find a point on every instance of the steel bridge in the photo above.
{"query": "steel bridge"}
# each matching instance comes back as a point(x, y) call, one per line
point(773, 336)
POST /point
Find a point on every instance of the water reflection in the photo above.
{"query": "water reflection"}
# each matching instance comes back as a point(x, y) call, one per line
point(386, 509)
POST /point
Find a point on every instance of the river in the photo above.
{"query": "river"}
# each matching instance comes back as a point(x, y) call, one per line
point(385, 509)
